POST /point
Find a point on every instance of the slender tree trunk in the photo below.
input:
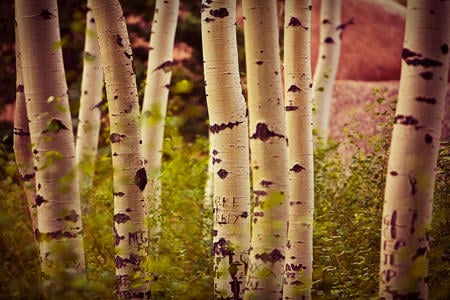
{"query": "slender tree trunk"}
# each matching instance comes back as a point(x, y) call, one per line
point(60, 230)
point(22, 141)
point(229, 142)
point(154, 106)
point(90, 104)
point(327, 64)
point(405, 243)
point(298, 106)
point(129, 177)
point(268, 151)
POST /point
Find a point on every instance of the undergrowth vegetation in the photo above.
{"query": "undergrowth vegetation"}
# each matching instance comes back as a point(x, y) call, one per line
point(349, 199)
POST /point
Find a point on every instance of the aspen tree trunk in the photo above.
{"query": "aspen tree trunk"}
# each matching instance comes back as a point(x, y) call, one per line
point(129, 177)
point(22, 141)
point(268, 147)
point(327, 64)
point(90, 104)
point(230, 152)
point(298, 106)
point(405, 242)
point(59, 229)
point(159, 71)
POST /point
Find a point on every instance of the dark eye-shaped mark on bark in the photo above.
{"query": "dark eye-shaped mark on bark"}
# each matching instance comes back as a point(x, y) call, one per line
point(20, 88)
point(393, 224)
point(428, 138)
point(326, 21)
point(117, 237)
point(208, 19)
point(46, 14)
point(405, 120)
point(40, 200)
point(119, 41)
point(413, 184)
point(427, 75)
point(426, 100)
point(413, 221)
point(272, 257)
point(294, 22)
point(266, 183)
point(297, 168)
point(291, 108)
point(219, 13)
point(259, 62)
point(216, 128)
point(263, 133)
point(121, 218)
point(119, 194)
point(329, 40)
point(294, 89)
point(394, 173)
point(416, 59)
point(222, 173)
point(444, 49)
point(140, 179)
point(21, 132)
point(116, 137)
point(165, 66)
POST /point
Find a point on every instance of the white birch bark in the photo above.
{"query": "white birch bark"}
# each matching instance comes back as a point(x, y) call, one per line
point(405, 242)
point(90, 104)
point(129, 176)
point(327, 64)
point(22, 141)
point(268, 151)
point(159, 72)
point(229, 142)
point(298, 106)
point(59, 229)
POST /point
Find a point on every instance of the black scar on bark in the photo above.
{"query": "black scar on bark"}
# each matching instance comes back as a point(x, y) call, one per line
point(444, 48)
point(428, 138)
point(20, 88)
point(266, 183)
point(117, 237)
point(221, 248)
point(405, 120)
point(119, 40)
point(294, 89)
point(116, 137)
point(329, 40)
point(297, 168)
point(165, 66)
point(21, 132)
point(40, 200)
point(408, 53)
point(121, 218)
point(272, 257)
point(116, 97)
point(219, 13)
point(215, 232)
point(92, 20)
point(259, 62)
point(37, 234)
point(215, 152)
point(294, 22)
point(244, 214)
point(208, 19)
point(222, 173)
point(393, 224)
point(140, 179)
point(72, 216)
point(295, 203)
point(413, 184)
point(59, 234)
point(263, 133)
point(46, 14)
point(296, 267)
point(413, 221)
point(291, 108)
point(28, 177)
point(427, 75)
point(326, 21)
point(394, 173)
point(216, 161)
point(342, 26)
point(216, 128)
point(204, 6)
point(121, 262)
point(415, 59)
point(258, 214)
point(127, 54)
point(421, 251)
point(426, 100)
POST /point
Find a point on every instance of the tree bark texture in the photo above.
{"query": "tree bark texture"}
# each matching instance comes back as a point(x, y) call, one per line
point(129, 176)
point(268, 147)
point(59, 229)
point(22, 141)
point(90, 104)
point(327, 64)
point(230, 152)
point(298, 107)
point(159, 71)
point(405, 242)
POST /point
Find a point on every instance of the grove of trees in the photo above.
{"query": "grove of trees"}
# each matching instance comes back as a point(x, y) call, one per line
point(130, 192)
